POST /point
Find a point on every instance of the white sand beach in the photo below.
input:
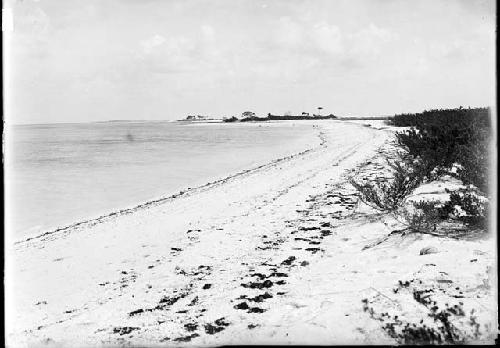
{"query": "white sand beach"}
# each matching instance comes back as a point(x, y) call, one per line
point(280, 254)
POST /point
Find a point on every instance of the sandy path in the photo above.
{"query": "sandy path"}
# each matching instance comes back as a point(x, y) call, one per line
point(265, 257)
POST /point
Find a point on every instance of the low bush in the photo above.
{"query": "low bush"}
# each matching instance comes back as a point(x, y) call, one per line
point(468, 206)
point(422, 216)
point(454, 142)
point(230, 119)
point(388, 195)
point(449, 325)
point(441, 139)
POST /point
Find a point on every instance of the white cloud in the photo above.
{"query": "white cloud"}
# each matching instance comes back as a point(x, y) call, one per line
point(187, 51)
point(195, 51)
point(377, 33)
point(208, 32)
point(307, 35)
point(289, 32)
point(150, 43)
point(209, 47)
point(328, 37)
point(172, 54)
point(326, 45)
point(369, 42)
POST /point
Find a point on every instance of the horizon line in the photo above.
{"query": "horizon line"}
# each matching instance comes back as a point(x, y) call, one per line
point(221, 117)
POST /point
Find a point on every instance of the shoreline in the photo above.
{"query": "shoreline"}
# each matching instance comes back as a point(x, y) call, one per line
point(154, 201)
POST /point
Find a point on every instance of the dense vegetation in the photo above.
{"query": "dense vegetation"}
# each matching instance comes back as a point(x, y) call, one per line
point(454, 142)
point(444, 138)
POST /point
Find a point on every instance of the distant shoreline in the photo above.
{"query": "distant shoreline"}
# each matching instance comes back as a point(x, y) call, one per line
point(291, 118)
point(201, 121)
point(284, 118)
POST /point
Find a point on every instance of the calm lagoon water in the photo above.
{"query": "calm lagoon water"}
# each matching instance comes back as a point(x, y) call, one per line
point(58, 174)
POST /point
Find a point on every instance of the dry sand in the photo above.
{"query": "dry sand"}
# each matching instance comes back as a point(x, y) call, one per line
point(283, 254)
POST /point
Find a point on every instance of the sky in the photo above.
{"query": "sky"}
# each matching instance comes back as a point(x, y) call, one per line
point(97, 60)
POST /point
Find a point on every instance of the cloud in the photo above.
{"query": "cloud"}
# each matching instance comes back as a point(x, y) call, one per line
point(327, 37)
point(208, 33)
point(188, 52)
point(178, 54)
point(150, 43)
point(209, 47)
point(289, 32)
point(290, 52)
point(330, 40)
point(305, 34)
point(368, 43)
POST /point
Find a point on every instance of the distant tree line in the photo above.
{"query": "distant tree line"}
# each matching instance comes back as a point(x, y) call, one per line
point(251, 117)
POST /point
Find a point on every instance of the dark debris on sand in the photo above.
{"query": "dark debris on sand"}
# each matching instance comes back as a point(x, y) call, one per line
point(124, 330)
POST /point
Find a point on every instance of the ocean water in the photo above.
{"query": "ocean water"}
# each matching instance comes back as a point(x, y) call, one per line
point(58, 174)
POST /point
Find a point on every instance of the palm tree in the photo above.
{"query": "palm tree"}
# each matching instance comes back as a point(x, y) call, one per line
point(319, 110)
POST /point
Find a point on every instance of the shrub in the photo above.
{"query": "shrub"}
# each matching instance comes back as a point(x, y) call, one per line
point(454, 142)
point(231, 119)
point(432, 152)
point(474, 162)
point(441, 138)
point(252, 118)
point(389, 195)
point(422, 216)
point(468, 206)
